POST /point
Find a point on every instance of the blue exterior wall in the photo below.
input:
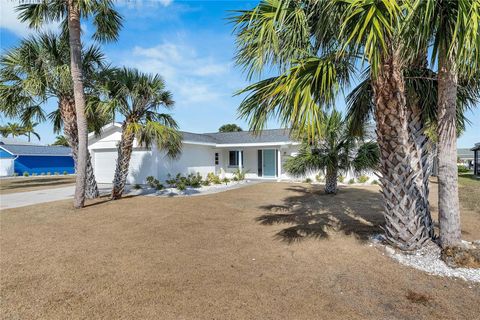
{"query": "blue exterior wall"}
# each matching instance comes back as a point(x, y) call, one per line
point(5, 155)
point(44, 164)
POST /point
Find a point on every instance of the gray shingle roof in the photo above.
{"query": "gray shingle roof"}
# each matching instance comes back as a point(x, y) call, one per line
point(16, 149)
point(266, 136)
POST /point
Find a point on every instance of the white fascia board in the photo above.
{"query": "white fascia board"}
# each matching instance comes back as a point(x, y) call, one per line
point(6, 150)
point(105, 128)
point(256, 144)
point(200, 143)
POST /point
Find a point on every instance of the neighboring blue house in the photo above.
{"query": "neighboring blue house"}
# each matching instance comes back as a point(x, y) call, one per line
point(21, 158)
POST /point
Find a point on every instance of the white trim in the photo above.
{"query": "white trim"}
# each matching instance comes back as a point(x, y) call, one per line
point(6, 151)
point(104, 128)
point(257, 144)
point(199, 143)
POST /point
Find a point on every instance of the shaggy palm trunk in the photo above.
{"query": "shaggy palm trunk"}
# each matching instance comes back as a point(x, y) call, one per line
point(123, 161)
point(69, 118)
point(79, 94)
point(448, 202)
point(424, 166)
point(416, 126)
point(331, 181)
point(404, 226)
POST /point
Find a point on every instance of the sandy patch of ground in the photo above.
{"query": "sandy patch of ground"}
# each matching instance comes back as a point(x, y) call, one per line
point(267, 251)
point(22, 184)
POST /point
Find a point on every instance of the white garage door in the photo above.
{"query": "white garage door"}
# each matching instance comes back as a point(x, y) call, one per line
point(142, 165)
point(104, 163)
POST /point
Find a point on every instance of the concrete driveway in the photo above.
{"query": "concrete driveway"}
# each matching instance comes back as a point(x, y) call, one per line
point(28, 198)
point(22, 199)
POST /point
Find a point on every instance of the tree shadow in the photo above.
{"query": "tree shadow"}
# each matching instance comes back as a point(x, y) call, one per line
point(310, 213)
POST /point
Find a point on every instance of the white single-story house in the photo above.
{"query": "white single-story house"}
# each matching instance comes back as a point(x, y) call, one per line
point(258, 156)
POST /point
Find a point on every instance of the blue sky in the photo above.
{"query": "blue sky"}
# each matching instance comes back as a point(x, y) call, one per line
point(191, 45)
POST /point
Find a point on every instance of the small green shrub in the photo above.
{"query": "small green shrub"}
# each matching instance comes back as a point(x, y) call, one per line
point(341, 179)
point(205, 183)
point(363, 179)
point(26, 174)
point(181, 186)
point(154, 183)
point(137, 186)
point(240, 175)
point(56, 173)
point(462, 169)
point(65, 173)
point(225, 180)
point(375, 181)
point(351, 181)
point(235, 178)
point(15, 174)
point(319, 178)
point(308, 180)
point(213, 178)
point(34, 174)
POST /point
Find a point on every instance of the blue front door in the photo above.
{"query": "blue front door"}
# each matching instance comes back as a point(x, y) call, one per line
point(269, 163)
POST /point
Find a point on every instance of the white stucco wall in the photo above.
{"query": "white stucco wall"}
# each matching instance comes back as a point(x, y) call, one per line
point(193, 159)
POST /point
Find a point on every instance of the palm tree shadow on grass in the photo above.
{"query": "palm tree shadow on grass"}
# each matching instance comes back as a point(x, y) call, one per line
point(313, 214)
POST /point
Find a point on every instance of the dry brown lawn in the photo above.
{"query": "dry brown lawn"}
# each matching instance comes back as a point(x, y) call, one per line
point(267, 251)
point(21, 184)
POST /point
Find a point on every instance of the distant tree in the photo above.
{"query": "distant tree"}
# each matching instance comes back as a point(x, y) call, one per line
point(29, 129)
point(12, 129)
point(61, 141)
point(230, 127)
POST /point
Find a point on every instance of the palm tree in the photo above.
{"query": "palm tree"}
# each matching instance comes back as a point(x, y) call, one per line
point(61, 141)
point(107, 22)
point(29, 129)
point(137, 97)
point(315, 46)
point(37, 70)
point(337, 151)
point(12, 129)
point(452, 29)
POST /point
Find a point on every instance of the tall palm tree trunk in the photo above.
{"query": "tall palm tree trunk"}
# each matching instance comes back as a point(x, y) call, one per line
point(331, 181)
point(69, 118)
point(404, 227)
point(123, 160)
point(448, 202)
point(416, 126)
point(424, 166)
point(79, 94)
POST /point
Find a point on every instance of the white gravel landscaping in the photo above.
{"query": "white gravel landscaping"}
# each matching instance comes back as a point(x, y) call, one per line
point(427, 259)
point(189, 191)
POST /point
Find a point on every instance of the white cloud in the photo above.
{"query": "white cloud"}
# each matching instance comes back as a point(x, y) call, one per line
point(191, 78)
point(9, 20)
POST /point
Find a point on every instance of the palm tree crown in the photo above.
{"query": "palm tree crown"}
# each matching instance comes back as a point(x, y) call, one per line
point(138, 97)
point(336, 150)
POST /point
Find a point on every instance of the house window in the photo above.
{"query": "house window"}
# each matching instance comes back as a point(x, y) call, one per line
point(216, 158)
point(234, 158)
